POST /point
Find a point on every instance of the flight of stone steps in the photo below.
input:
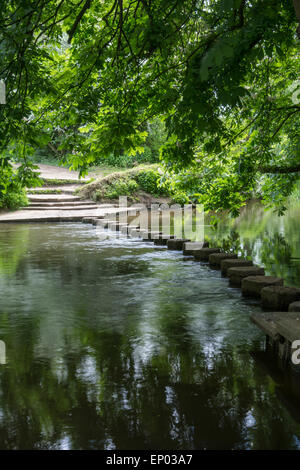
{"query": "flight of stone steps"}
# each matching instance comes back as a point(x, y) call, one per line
point(56, 204)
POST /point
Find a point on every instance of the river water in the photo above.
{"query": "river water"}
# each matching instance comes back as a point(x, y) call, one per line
point(117, 344)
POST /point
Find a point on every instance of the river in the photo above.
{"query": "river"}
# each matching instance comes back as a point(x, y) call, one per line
point(117, 344)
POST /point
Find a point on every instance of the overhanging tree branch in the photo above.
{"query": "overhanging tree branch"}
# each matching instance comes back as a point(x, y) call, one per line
point(280, 169)
point(297, 10)
point(72, 31)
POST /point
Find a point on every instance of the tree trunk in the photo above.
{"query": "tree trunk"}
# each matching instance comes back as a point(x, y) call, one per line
point(297, 10)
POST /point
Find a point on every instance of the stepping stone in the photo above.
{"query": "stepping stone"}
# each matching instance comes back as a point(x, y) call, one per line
point(138, 233)
point(163, 240)
point(216, 258)
point(89, 220)
point(124, 229)
point(104, 222)
point(234, 263)
point(203, 254)
point(116, 226)
point(130, 229)
point(288, 326)
point(151, 235)
point(190, 247)
point(294, 307)
point(266, 322)
point(95, 221)
point(278, 298)
point(236, 275)
point(253, 285)
point(177, 243)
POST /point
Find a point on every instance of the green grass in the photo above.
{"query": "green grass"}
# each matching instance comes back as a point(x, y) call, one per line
point(46, 191)
point(58, 182)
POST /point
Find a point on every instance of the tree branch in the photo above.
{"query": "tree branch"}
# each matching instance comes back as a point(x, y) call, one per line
point(72, 31)
point(297, 10)
point(280, 169)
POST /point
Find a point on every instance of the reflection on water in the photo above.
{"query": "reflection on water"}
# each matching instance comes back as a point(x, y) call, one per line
point(118, 345)
point(272, 241)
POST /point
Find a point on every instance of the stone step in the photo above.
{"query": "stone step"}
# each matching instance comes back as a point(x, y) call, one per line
point(281, 329)
point(294, 307)
point(53, 198)
point(253, 285)
point(203, 254)
point(137, 233)
point(162, 240)
point(190, 247)
point(279, 298)
point(91, 219)
point(34, 205)
point(64, 189)
point(59, 208)
point(266, 322)
point(116, 226)
point(48, 218)
point(177, 244)
point(288, 326)
point(126, 229)
point(104, 223)
point(150, 235)
point(236, 275)
point(216, 258)
point(234, 263)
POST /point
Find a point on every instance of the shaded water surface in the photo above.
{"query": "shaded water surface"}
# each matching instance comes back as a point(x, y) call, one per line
point(271, 241)
point(118, 345)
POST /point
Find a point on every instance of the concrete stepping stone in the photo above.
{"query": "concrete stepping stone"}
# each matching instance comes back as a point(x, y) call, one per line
point(176, 243)
point(142, 233)
point(253, 285)
point(127, 230)
point(234, 263)
point(266, 322)
point(116, 226)
point(190, 247)
point(151, 235)
point(95, 221)
point(124, 229)
point(288, 326)
point(216, 258)
point(137, 233)
point(278, 298)
point(163, 240)
point(203, 254)
point(236, 275)
point(89, 220)
point(104, 222)
point(294, 307)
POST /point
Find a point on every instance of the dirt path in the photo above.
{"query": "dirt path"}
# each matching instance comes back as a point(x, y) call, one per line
point(58, 173)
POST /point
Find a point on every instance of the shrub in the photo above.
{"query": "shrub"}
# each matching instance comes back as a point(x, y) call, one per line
point(148, 180)
point(121, 188)
point(14, 198)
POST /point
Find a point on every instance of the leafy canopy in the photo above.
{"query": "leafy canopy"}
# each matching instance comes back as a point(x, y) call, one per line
point(222, 74)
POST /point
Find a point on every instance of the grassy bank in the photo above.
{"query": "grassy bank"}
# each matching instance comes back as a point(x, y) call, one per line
point(140, 184)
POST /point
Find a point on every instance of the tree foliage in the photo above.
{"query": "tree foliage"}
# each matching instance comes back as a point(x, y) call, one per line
point(223, 75)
